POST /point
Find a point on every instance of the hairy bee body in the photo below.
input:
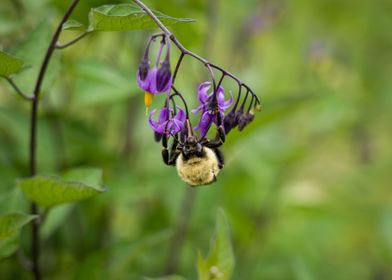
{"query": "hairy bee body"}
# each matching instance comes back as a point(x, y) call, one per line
point(198, 170)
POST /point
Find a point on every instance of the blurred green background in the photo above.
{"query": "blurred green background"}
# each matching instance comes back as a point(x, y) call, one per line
point(306, 187)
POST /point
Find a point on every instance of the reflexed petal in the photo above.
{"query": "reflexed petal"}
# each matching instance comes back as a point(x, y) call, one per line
point(202, 92)
point(180, 115)
point(205, 123)
point(153, 123)
point(220, 96)
point(163, 127)
point(228, 103)
point(163, 115)
point(176, 126)
point(197, 109)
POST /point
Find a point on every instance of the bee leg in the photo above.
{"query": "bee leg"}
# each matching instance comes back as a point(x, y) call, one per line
point(169, 158)
point(220, 157)
point(220, 135)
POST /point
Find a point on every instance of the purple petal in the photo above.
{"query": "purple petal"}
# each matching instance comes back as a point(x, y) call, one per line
point(205, 123)
point(197, 109)
point(228, 103)
point(220, 96)
point(163, 78)
point(176, 126)
point(153, 123)
point(143, 84)
point(163, 115)
point(151, 78)
point(202, 92)
point(149, 83)
point(180, 115)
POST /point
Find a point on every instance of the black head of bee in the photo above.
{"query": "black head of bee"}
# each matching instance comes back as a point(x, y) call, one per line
point(192, 147)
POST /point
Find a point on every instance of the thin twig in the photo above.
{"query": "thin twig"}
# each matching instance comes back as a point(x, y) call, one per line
point(18, 90)
point(73, 41)
point(35, 240)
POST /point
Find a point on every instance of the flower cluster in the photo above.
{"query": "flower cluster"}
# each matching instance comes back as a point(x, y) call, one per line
point(211, 106)
point(169, 122)
point(173, 119)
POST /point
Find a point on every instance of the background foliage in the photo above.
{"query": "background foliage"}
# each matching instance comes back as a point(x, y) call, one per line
point(306, 188)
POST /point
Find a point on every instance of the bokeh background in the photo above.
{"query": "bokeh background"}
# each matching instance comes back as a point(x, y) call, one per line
point(306, 187)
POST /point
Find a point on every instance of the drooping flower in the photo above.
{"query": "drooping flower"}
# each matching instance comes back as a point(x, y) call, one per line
point(167, 123)
point(156, 79)
point(210, 107)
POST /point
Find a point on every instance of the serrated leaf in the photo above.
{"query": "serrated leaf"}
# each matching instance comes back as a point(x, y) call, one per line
point(9, 64)
point(73, 25)
point(50, 191)
point(219, 263)
point(126, 17)
point(10, 224)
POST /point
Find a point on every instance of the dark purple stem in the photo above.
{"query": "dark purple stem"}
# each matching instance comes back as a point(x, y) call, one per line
point(18, 90)
point(33, 139)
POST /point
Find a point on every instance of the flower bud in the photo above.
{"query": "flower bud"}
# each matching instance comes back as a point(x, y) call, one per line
point(244, 120)
point(157, 136)
point(229, 122)
point(164, 78)
point(144, 67)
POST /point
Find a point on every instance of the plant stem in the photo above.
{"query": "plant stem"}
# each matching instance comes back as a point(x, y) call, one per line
point(35, 240)
point(18, 90)
point(73, 41)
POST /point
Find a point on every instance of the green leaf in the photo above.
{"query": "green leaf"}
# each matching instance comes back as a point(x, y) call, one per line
point(55, 219)
point(73, 25)
point(10, 224)
point(219, 263)
point(49, 191)
point(126, 17)
point(9, 245)
point(9, 64)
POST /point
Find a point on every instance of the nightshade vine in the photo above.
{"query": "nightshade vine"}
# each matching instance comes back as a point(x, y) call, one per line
point(196, 156)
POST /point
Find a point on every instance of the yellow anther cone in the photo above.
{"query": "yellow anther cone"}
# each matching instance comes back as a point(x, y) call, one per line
point(148, 97)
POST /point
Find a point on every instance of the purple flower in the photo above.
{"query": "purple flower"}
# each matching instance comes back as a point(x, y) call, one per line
point(166, 123)
point(157, 79)
point(209, 107)
point(149, 83)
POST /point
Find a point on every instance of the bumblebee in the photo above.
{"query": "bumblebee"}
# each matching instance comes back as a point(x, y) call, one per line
point(198, 161)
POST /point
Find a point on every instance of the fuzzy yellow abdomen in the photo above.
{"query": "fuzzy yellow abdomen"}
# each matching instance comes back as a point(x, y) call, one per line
point(198, 171)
